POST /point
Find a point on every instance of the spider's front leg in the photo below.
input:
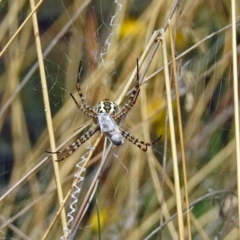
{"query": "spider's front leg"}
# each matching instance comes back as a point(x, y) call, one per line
point(133, 98)
point(139, 143)
point(88, 111)
point(85, 108)
point(74, 146)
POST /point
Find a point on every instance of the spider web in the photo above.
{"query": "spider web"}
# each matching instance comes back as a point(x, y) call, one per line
point(108, 36)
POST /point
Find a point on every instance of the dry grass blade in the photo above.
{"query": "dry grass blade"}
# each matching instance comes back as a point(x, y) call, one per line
point(179, 119)
point(236, 101)
point(173, 139)
point(21, 27)
point(48, 111)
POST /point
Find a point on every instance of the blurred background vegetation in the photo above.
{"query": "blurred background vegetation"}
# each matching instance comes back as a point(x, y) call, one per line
point(126, 204)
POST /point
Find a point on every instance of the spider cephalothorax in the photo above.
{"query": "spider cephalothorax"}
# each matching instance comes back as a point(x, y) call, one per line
point(106, 106)
point(105, 114)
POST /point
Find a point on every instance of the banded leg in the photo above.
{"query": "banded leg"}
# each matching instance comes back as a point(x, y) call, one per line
point(74, 146)
point(87, 109)
point(139, 143)
point(133, 98)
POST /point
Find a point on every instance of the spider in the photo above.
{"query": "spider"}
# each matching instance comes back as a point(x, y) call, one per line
point(105, 114)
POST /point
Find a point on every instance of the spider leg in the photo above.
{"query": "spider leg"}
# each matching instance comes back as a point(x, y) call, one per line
point(133, 98)
point(139, 143)
point(74, 146)
point(88, 112)
point(85, 108)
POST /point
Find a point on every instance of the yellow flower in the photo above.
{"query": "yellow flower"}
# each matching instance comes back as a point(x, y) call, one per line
point(96, 219)
point(130, 28)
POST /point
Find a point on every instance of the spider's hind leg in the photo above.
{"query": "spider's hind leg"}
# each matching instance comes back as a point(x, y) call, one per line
point(139, 143)
point(74, 146)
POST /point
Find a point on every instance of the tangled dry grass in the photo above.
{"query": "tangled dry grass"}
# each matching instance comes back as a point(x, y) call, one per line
point(125, 193)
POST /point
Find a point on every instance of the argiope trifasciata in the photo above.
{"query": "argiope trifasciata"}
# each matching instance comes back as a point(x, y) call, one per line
point(105, 114)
